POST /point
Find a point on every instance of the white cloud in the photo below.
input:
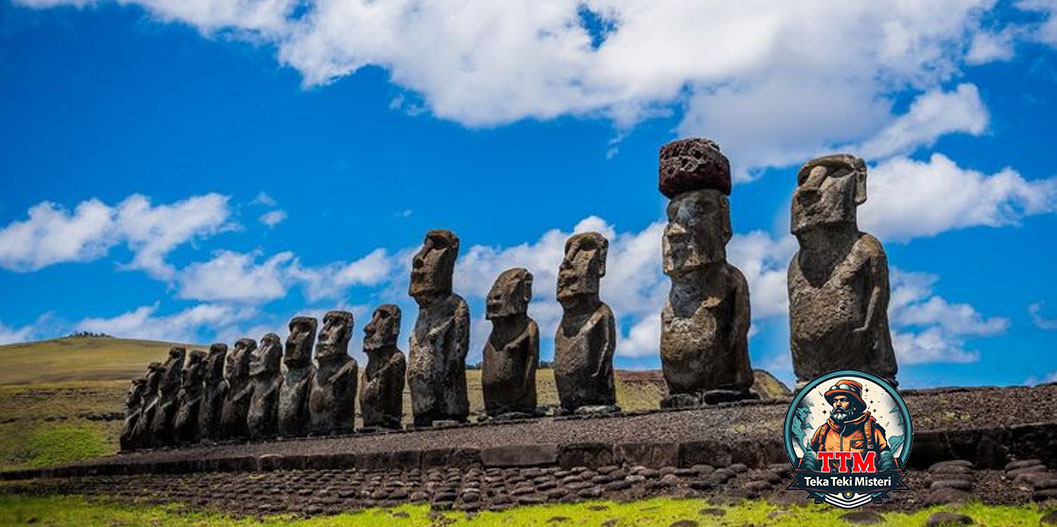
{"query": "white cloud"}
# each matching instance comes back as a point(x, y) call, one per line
point(1033, 380)
point(183, 326)
point(273, 218)
point(1035, 310)
point(331, 280)
point(991, 47)
point(9, 335)
point(263, 198)
point(232, 276)
point(151, 232)
point(1046, 30)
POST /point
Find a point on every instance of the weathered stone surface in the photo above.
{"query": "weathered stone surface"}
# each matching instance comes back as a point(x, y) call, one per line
point(441, 338)
point(693, 164)
point(511, 353)
point(382, 393)
point(838, 281)
point(586, 337)
point(164, 416)
point(214, 390)
point(705, 320)
point(239, 390)
point(134, 405)
point(298, 372)
point(520, 455)
point(189, 400)
point(262, 417)
point(332, 401)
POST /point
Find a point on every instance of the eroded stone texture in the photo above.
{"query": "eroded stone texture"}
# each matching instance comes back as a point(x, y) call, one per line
point(838, 281)
point(189, 400)
point(705, 320)
point(161, 428)
point(262, 418)
point(141, 431)
point(382, 393)
point(134, 403)
point(586, 337)
point(239, 390)
point(298, 372)
point(511, 354)
point(332, 400)
point(214, 390)
point(441, 338)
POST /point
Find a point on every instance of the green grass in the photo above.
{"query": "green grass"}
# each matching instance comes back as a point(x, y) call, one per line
point(71, 511)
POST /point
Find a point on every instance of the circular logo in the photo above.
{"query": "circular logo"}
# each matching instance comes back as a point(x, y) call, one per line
point(848, 435)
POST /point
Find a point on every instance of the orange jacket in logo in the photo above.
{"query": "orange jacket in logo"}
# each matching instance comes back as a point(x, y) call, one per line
point(861, 434)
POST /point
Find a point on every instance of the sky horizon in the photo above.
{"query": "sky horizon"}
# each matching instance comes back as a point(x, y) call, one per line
point(205, 170)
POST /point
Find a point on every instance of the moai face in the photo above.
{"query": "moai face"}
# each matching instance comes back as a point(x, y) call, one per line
point(238, 360)
point(136, 393)
point(697, 232)
point(300, 342)
point(214, 368)
point(195, 370)
point(433, 265)
point(383, 329)
point(510, 295)
point(334, 335)
point(174, 367)
point(584, 265)
point(265, 359)
point(155, 371)
point(828, 191)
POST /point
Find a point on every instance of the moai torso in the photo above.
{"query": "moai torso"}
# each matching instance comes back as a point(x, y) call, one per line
point(214, 390)
point(511, 354)
point(239, 390)
point(838, 281)
point(262, 418)
point(133, 410)
point(298, 374)
point(332, 400)
point(382, 392)
point(189, 401)
point(162, 430)
point(441, 338)
point(141, 430)
point(586, 338)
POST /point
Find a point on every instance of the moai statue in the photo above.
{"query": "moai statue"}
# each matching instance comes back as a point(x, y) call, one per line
point(239, 390)
point(382, 392)
point(189, 401)
point(332, 400)
point(441, 338)
point(161, 428)
point(262, 419)
point(587, 336)
point(141, 431)
point(705, 321)
point(133, 411)
point(298, 373)
point(214, 391)
point(511, 354)
point(838, 282)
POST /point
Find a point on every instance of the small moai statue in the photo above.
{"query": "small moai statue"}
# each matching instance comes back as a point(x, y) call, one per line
point(214, 391)
point(162, 430)
point(332, 400)
point(511, 354)
point(133, 411)
point(239, 390)
point(838, 281)
point(587, 336)
point(382, 391)
point(262, 418)
point(705, 320)
point(141, 431)
point(441, 337)
point(298, 373)
point(189, 400)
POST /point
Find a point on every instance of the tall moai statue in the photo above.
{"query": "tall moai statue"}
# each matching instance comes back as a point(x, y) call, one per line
point(161, 428)
point(141, 431)
point(441, 338)
point(214, 391)
point(705, 320)
point(511, 354)
point(133, 411)
point(332, 400)
point(189, 400)
point(298, 373)
point(587, 336)
point(239, 390)
point(382, 392)
point(838, 281)
point(262, 418)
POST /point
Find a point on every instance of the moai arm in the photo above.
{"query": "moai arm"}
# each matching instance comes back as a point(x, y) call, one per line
point(877, 280)
point(532, 348)
point(461, 333)
point(740, 329)
point(609, 345)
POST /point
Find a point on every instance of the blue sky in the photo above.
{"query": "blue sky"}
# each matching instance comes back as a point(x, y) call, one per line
point(200, 170)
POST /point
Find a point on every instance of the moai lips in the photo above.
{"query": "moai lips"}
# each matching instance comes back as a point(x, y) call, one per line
point(332, 399)
point(382, 393)
point(298, 373)
point(511, 354)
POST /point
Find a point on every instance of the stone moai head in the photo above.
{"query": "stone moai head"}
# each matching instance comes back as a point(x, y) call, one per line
point(136, 393)
point(266, 358)
point(697, 232)
point(334, 335)
point(433, 265)
point(155, 372)
point(300, 342)
point(383, 329)
point(584, 265)
point(194, 372)
point(510, 294)
point(214, 368)
point(174, 368)
point(829, 189)
point(238, 360)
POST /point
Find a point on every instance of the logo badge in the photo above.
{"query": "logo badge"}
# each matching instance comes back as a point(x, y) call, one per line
point(848, 435)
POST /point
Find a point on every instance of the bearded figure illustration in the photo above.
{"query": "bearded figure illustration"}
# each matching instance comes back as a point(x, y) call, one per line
point(850, 428)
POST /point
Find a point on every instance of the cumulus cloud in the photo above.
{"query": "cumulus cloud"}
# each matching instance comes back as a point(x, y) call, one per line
point(1035, 310)
point(10, 335)
point(331, 280)
point(263, 198)
point(183, 326)
point(273, 218)
point(232, 276)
